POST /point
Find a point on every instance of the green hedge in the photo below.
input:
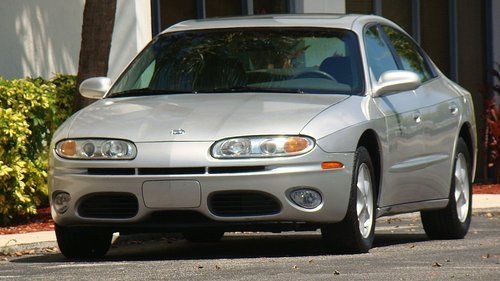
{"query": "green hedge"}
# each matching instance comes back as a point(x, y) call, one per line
point(30, 112)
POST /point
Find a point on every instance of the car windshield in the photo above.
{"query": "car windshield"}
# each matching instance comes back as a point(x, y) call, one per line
point(278, 60)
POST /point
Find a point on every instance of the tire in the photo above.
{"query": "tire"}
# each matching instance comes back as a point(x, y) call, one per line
point(82, 243)
point(450, 222)
point(208, 236)
point(347, 236)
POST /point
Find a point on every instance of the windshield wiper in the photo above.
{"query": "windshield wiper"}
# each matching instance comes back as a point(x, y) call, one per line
point(242, 89)
point(237, 89)
point(146, 92)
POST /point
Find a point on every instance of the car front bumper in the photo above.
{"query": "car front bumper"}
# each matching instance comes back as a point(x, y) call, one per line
point(275, 177)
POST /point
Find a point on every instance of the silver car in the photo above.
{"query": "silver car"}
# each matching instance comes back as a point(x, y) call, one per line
point(266, 123)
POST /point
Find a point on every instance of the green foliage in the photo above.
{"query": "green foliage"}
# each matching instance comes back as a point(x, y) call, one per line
point(30, 112)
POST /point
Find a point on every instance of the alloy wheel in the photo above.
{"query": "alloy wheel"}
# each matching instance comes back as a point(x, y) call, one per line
point(462, 188)
point(364, 201)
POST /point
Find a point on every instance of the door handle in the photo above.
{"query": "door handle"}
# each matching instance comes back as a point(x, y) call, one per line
point(453, 108)
point(417, 117)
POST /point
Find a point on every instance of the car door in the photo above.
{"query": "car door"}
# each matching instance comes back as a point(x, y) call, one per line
point(439, 116)
point(401, 173)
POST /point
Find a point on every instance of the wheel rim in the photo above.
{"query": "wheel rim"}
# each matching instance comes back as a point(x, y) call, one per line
point(462, 188)
point(364, 201)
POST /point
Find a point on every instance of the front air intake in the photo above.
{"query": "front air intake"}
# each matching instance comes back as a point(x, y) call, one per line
point(108, 206)
point(243, 204)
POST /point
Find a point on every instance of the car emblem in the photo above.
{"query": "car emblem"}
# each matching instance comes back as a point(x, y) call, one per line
point(177, 132)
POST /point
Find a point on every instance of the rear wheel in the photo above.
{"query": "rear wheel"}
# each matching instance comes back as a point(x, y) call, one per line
point(355, 233)
point(207, 236)
point(453, 221)
point(82, 243)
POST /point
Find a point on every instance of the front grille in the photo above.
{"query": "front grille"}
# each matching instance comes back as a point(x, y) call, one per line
point(236, 169)
point(243, 203)
point(109, 206)
point(172, 171)
point(111, 171)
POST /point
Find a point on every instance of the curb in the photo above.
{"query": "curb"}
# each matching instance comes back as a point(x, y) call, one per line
point(10, 245)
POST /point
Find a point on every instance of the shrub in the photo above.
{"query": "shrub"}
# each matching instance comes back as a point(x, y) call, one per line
point(30, 112)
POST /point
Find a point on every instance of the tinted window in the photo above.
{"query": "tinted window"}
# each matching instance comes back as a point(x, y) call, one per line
point(269, 7)
point(407, 50)
point(379, 55)
point(251, 60)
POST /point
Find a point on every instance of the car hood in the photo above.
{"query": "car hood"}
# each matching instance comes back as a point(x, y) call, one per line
point(198, 117)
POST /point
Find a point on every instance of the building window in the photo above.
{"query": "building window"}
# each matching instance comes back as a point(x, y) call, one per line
point(172, 12)
point(359, 6)
point(222, 8)
point(269, 7)
point(434, 32)
point(399, 11)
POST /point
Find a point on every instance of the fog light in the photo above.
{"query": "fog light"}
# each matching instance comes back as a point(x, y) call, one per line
point(61, 202)
point(306, 198)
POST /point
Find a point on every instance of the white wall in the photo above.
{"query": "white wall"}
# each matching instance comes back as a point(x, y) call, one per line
point(39, 37)
point(132, 31)
point(43, 37)
point(320, 6)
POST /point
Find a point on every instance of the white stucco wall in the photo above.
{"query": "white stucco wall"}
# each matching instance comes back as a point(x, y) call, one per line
point(43, 37)
point(132, 31)
point(320, 6)
point(39, 37)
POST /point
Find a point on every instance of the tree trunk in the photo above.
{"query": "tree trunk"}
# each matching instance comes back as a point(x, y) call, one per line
point(97, 31)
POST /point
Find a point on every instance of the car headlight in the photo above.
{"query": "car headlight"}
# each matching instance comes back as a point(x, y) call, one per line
point(100, 149)
point(264, 146)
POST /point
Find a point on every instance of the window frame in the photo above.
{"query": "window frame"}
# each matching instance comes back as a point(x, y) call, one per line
point(430, 67)
point(383, 36)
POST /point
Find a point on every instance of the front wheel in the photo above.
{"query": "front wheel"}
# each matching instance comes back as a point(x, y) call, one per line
point(355, 233)
point(82, 243)
point(453, 221)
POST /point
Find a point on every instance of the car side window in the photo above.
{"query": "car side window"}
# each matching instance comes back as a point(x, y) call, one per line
point(378, 53)
point(407, 50)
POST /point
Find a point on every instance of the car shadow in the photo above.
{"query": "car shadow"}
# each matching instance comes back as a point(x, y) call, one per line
point(230, 247)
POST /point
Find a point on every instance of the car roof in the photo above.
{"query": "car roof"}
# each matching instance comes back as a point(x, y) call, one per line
point(344, 21)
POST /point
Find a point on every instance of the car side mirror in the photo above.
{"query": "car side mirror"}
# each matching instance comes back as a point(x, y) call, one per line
point(95, 88)
point(396, 81)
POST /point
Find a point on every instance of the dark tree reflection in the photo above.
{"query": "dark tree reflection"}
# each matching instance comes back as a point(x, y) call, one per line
point(411, 59)
point(211, 60)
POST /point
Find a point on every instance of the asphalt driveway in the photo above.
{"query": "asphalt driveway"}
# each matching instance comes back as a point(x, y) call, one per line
point(401, 252)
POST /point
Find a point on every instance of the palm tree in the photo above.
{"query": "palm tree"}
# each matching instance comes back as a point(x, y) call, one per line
point(97, 31)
